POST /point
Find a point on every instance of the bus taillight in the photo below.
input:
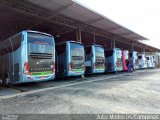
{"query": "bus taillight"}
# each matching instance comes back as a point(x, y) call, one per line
point(70, 67)
point(26, 69)
point(83, 66)
point(53, 69)
point(94, 65)
point(117, 64)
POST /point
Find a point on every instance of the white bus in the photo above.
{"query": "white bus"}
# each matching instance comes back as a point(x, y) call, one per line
point(150, 61)
point(142, 61)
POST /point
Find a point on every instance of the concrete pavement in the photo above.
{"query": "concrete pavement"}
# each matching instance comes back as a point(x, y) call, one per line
point(137, 92)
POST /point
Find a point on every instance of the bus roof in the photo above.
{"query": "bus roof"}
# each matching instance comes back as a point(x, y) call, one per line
point(70, 42)
point(125, 50)
point(95, 45)
point(3, 44)
point(32, 31)
point(113, 49)
point(98, 45)
point(135, 51)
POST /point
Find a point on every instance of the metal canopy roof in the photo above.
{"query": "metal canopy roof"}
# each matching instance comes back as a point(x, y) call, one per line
point(65, 18)
point(74, 10)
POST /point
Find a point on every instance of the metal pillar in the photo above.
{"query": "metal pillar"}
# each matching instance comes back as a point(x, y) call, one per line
point(132, 47)
point(114, 43)
point(94, 37)
point(78, 35)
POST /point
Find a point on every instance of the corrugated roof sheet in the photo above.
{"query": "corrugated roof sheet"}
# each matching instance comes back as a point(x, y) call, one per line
point(75, 10)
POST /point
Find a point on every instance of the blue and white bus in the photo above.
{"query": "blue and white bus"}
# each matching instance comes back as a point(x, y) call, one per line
point(28, 56)
point(142, 61)
point(70, 58)
point(95, 59)
point(133, 59)
point(150, 61)
point(113, 59)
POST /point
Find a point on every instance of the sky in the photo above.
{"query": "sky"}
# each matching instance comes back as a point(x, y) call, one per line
point(140, 16)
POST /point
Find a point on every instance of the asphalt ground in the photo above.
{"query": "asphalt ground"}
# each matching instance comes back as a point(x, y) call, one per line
point(123, 93)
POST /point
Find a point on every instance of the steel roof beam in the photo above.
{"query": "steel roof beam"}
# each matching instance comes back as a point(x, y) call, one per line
point(23, 7)
point(55, 12)
point(63, 21)
point(125, 34)
point(113, 28)
point(56, 20)
point(95, 20)
point(36, 13)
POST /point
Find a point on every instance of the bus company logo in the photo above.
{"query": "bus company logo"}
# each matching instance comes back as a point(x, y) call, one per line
point(42, 48)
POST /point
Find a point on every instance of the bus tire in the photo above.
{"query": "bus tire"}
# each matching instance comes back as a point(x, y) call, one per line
point(4, 80)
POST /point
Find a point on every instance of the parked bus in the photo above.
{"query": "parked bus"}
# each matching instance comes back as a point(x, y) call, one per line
point(133, 59)
point(95, 59)
point(142, 61)
point(153, 60)
point(113, 59)
point(125, 59)
point(28, 56)
point(70, 59)
point(150, 61)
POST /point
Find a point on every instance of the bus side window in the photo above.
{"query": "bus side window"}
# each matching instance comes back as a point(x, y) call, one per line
point(16, 41)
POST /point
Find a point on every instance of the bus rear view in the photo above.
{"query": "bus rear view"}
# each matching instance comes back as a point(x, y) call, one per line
point(125, 59)
point(70, 59)
point(150, 61)
point(133, 59)
point(41, 56)
point(30, 57)
point(113, 60)
point(95, 59)
point(142, 61)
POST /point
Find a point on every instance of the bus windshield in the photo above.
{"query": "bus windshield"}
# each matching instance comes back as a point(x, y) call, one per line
point(135, 55)
point(126, 54)
point(118, 53)
point(99, 56)
point(39, 43)
point(119, 58)
point(135, 58)
point(77, 55)
point(40, 52)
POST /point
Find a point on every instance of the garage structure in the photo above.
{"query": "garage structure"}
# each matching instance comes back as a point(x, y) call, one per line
point(67, 20)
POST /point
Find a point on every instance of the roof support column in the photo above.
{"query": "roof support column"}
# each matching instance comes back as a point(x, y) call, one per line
point(132, 47)
point(78, 35)
point(114, 41)
point(94, 37)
